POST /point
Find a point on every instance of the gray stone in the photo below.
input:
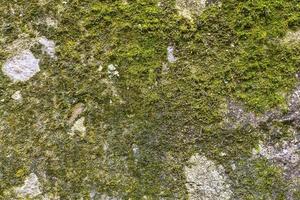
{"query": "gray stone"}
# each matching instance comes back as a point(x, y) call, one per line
point(48, 46)
point(188, 8)
point(31, 187)
point(21, 67)
point(292, 37)
point(78, 127)
point(171, 57)
point(112, 71)
point(17, 96)
point(205, 180)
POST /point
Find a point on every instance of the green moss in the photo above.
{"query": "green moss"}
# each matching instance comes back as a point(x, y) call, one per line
point(229, 52)
point(258, 179)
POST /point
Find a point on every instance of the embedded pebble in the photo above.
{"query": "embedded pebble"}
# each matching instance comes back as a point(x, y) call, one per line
point(78, 127)
point(112, 71)
point(48, 46)
point(292, 37)
point(21, 67)
point(205, 180)
point(76, 112)
point(135, 150)
point(31, 187)
point(171, 57)
point(188, 8)
point(17, 96)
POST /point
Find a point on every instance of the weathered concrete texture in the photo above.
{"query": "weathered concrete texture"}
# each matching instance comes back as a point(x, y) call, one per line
point(31, 187)
point(236, 116)
point(205, 180)
point(287, 157)
point(294, 108)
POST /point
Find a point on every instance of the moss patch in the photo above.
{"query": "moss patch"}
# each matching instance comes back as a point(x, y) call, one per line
point(230, 51)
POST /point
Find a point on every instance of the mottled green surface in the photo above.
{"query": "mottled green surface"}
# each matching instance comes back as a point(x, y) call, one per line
point(232, 51)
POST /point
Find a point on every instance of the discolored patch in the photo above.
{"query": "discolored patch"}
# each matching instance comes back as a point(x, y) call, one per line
point(205, 180)
point(21, 67)
point(31, 187)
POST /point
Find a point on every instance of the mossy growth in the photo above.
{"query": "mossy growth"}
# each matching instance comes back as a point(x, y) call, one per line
point(144, 125)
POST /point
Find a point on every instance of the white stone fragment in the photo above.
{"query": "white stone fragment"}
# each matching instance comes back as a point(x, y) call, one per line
point(31, 187)
point(21, 67)
point(17, 96)
point(171, 57)
point(188, 8)
point(78, 127)
point(112, 71)
point(205, 180)
point(51, 22)
point(292, 37)
point(48, 46)
point(135, 150)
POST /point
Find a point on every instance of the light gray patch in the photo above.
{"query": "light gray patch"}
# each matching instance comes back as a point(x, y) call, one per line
point(48, 46)
point(30, 188)
point(78, 127)
point(285, 155)
point(135, 150)
point(112, 71)
point(236, 116)
point(205, 180)
point(21, 67)
point(188, 8)
point(292, 37)
point(51, 22)
point(171, 57)
point(77, 110)
point(17, 96)
point(92, 194)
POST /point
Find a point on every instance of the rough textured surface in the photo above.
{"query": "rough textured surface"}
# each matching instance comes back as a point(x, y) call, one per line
point(130, 99)
point(188, 8)
point(292, 37)
point(205, 180)
point(31, 187)
point(48, 46)
point(21, 67)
